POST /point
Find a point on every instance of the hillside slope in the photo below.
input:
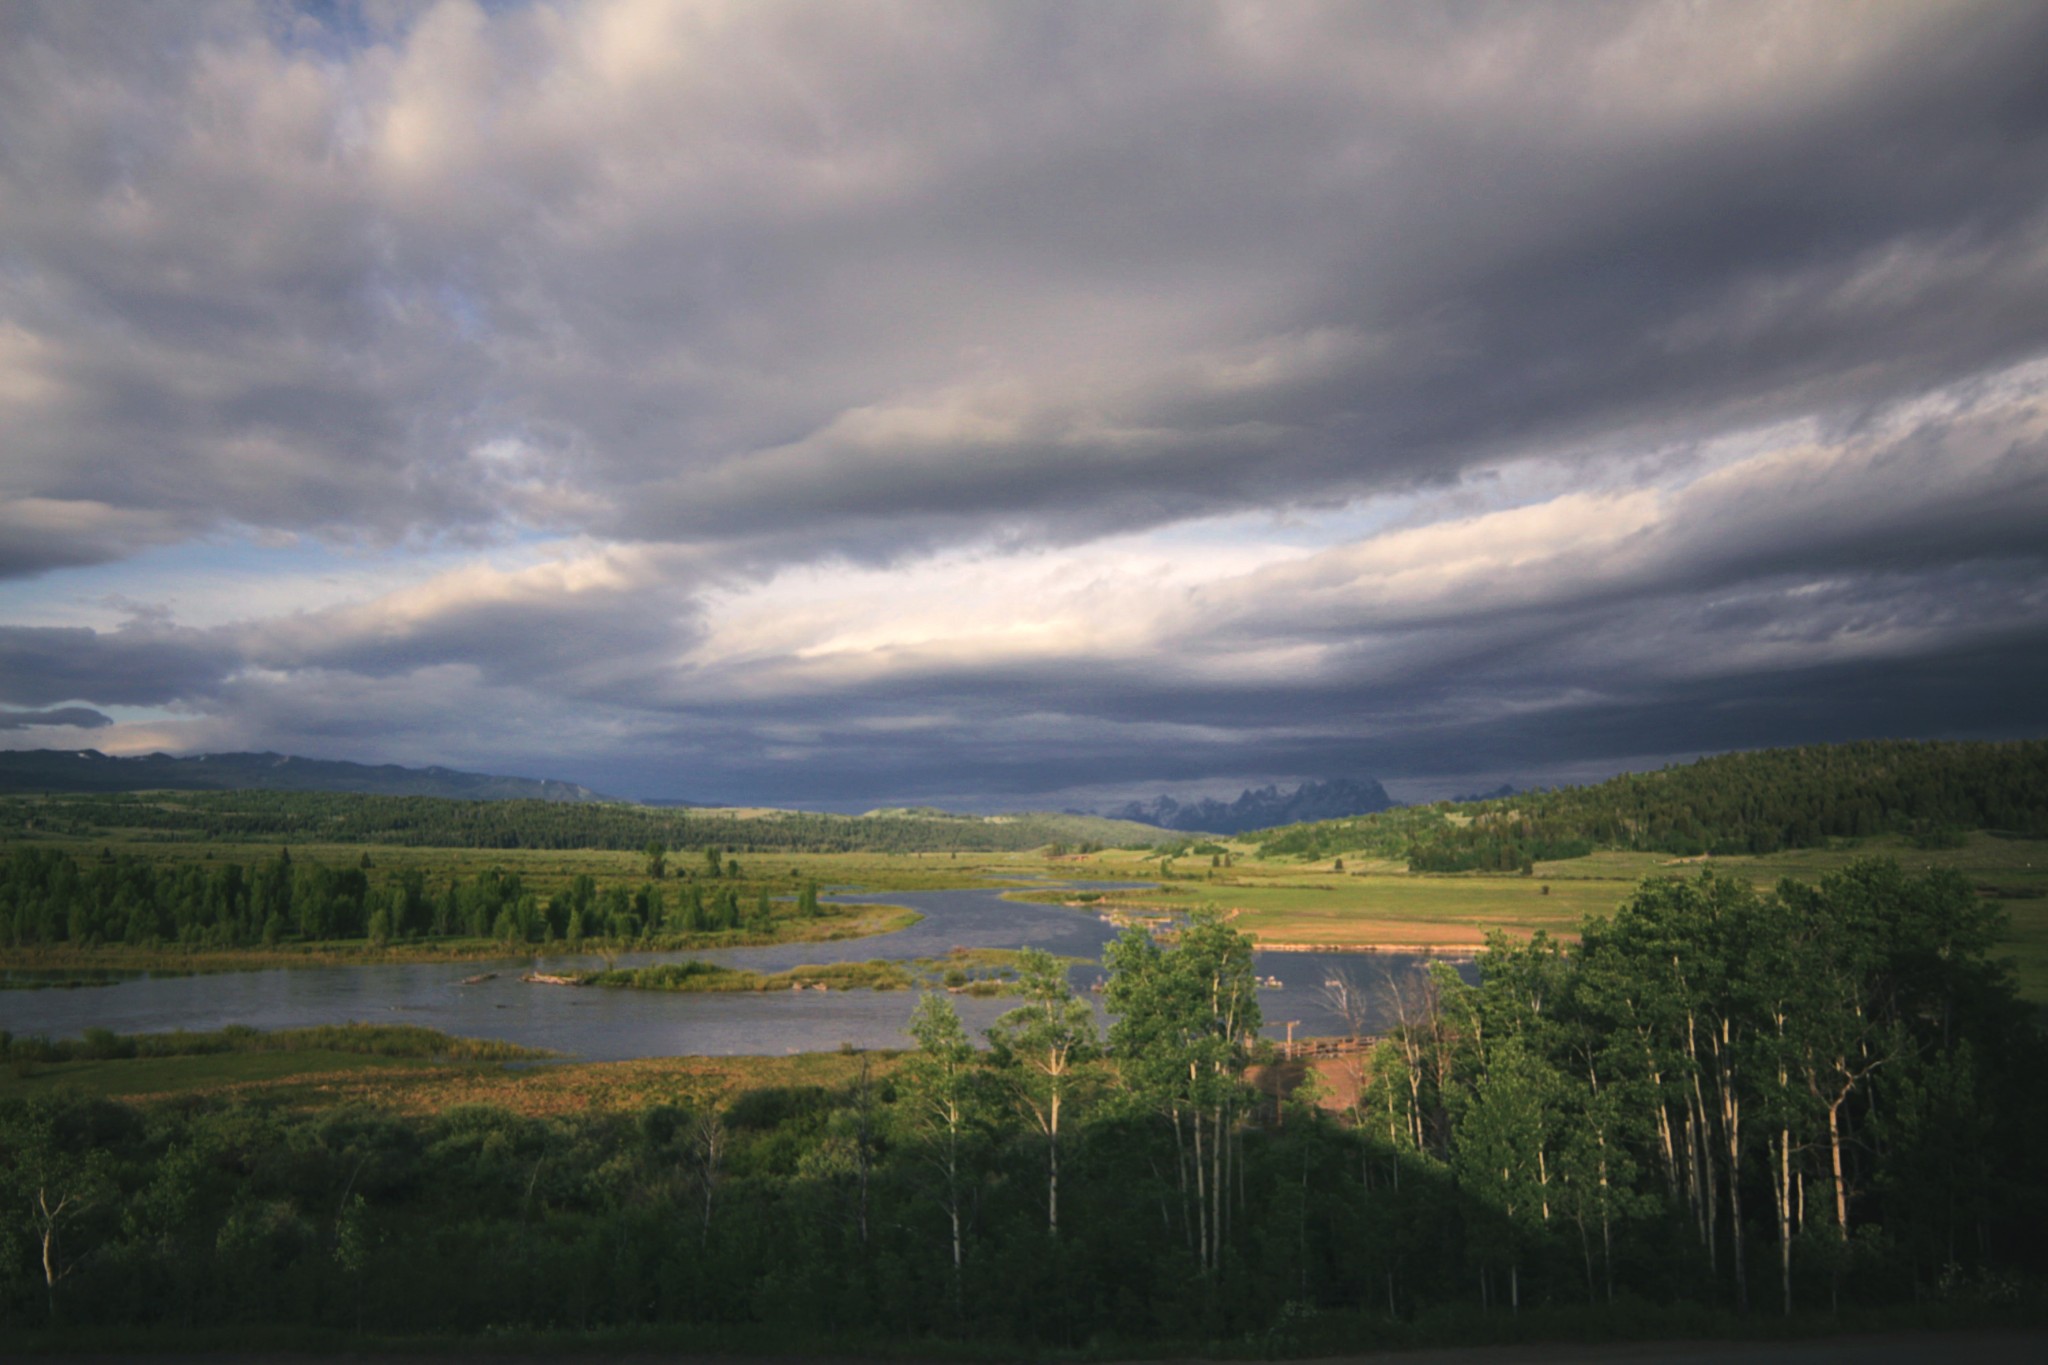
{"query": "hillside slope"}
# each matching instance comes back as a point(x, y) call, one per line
point(1757, 802)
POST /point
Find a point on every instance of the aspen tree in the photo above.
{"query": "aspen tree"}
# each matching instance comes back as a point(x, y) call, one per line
point(1040, 1047)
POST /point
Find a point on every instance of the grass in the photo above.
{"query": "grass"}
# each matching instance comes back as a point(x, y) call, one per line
point(237, 1058)
point(704, 976)
point(370, 1040)
point(584, 1087)
point(152, 1077)
point(1374, 903)
point(320, 1078)
point(1315, 907)
point(1983, 857)
point(2027, 946)
point(983, 971)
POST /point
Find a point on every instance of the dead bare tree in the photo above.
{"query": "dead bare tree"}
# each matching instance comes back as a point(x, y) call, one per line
point(1344, 997)
point(707, 1156)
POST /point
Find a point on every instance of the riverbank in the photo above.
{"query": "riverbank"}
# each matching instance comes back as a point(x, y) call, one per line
point(73, 966)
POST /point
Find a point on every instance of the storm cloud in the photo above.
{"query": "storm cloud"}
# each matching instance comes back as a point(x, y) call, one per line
point(67, 718)
point(872, 402)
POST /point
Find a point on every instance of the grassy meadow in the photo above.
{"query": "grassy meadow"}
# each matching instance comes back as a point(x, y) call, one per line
point(316, 1078)
point(280, 1074)
point(1376, 903)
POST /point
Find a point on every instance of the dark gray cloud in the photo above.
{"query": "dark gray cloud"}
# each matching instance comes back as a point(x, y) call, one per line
point(37, 534)
point(1703, 348)
point(583, 629)
point(44, 665)
point(70, 717)
point(1005, 757)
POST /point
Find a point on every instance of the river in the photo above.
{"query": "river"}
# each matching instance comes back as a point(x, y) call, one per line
point(610, 1025)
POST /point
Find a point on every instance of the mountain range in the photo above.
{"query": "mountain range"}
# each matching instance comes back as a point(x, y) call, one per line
point(1262, 807)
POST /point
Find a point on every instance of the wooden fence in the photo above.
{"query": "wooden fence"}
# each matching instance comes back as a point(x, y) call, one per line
point(1299, 1048)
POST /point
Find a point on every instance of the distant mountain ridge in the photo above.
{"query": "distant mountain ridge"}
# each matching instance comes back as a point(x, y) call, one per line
point(1262, 807)
point(89, 770)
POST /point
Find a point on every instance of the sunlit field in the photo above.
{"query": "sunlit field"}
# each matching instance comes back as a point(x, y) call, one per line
point(326, 1079)
point(1377, 903)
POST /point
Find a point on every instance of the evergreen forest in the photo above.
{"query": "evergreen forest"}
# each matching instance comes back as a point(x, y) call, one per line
point(1740, 803)
point(50, 897)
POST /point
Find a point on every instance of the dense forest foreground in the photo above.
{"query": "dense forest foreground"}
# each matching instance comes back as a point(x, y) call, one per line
point(1718, 1100)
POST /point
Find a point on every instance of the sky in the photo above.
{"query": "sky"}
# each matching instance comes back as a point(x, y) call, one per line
point(1021, 405)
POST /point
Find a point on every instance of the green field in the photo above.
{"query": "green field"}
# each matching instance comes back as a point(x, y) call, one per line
point(975, 971)
point(156, 1077)
point(1378, 904)
point(1342, 910)
point(239, 1059)
point(326, 1078)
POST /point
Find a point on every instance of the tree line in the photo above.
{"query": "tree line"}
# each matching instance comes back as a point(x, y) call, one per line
point(441, 822)
point(49, 897)
point(1768, 1094)
point(1825, 1094)
point(1729, 804)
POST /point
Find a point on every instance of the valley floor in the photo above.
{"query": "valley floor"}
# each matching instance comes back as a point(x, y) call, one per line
point(1361, 904)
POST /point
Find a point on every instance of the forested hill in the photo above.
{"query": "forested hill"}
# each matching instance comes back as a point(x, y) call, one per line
point(1729, 804)
point(89, 770)
point(336, 817)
